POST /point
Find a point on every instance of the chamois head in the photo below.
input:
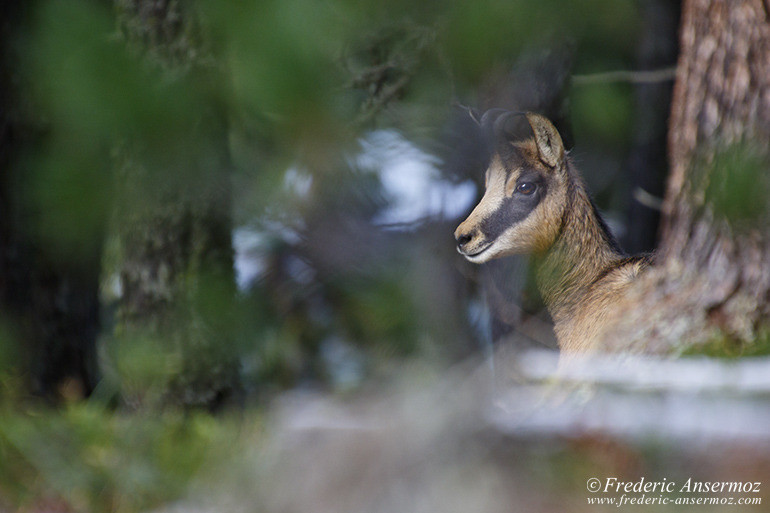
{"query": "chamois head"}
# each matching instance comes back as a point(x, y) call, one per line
point(525, 196)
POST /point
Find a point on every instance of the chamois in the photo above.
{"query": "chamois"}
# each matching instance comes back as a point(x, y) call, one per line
point(536, 203)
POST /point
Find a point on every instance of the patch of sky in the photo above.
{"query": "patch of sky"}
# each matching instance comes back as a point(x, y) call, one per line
point(412, 181)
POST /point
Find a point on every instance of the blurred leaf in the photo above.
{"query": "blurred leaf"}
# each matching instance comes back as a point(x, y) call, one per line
point(378, 311)
point(603, 113)
point(96, 460)
point(282, 59)
point(94, 95)
point(95, 90)
point(478, 38)
point(70, 191)
point(86, 81)
point(482, 36)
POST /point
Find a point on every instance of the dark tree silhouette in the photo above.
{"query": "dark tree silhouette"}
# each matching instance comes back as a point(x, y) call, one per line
point(48, 303)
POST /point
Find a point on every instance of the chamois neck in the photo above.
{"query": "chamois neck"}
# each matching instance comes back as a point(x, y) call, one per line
point(583, 250)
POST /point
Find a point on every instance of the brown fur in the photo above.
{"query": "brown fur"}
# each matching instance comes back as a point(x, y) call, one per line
point(583, 277)
point(581, 272)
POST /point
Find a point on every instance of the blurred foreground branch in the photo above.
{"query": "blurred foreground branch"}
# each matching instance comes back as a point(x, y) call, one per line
point(634, 77)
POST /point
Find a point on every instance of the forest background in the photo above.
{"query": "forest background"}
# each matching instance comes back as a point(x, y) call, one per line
point(204, 205)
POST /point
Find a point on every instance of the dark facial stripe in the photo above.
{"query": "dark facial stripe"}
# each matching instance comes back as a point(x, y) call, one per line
point(513, 210)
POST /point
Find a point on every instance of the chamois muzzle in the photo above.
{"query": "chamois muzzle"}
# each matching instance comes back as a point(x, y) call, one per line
point(462, 240)
point(470, 242)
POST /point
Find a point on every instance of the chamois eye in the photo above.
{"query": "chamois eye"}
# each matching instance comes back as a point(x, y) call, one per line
point(526, 188)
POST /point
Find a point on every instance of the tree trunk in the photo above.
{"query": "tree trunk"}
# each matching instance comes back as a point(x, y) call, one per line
point(713, 282)
point(173, 340)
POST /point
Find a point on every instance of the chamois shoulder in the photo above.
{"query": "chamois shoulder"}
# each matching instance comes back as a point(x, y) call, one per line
point(625, 269)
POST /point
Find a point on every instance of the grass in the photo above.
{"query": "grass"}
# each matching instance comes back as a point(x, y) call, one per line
point(728, 347)
point(83, 457)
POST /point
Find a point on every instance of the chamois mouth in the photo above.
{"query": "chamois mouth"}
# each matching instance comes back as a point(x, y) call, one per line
point(475, 254)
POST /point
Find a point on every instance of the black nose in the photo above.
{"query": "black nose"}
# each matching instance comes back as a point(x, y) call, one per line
point(463, 239)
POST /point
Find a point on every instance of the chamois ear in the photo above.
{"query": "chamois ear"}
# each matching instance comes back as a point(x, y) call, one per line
point(549, 144)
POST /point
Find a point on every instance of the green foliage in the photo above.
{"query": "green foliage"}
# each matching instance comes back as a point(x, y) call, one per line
point(168, 36)
point(378, 309)
point(281, 56)
point(94, 95)
point(738, 187)
point(90, 459)
point(603, 114)
point(480, 37)
point(727, 347)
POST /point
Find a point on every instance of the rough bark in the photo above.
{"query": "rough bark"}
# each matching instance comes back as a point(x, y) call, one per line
point(714, 278)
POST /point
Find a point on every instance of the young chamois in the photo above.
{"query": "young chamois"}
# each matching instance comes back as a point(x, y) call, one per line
point(536, 203)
